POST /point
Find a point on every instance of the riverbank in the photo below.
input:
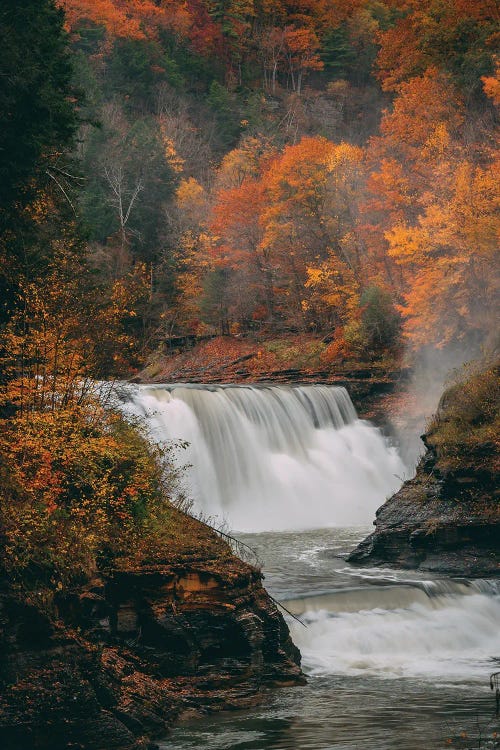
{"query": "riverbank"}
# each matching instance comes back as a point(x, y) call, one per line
point(447, 518)
point(115, 662)
point(290, 359)
point(396, 660)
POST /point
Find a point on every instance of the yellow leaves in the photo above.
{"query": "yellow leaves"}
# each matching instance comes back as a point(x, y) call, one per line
point(408, 244)
point(343, 157)
point(314, 276)
point(311, 182)
point(274, 216)
point(451, 281)
point(190, 193)
point(171, 155)
point(437, 144)
point(241, 162)
point(333, 284)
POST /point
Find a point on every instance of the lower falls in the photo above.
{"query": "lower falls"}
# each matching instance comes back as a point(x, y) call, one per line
point(395, 659)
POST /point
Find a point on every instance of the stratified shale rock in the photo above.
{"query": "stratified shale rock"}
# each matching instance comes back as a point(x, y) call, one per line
point(420, 527)
point(447, 519)
point(125, 656)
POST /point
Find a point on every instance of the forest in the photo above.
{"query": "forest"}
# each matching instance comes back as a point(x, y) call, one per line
point(235, 167)
point(260, 169)
point(306, 186)
point(315, 172)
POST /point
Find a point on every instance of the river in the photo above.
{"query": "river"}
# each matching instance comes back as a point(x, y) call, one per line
point(395, 660)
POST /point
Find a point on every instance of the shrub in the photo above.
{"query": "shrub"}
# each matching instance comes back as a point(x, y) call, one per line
point(375, 328)
point(467, 423)
point(78, 485)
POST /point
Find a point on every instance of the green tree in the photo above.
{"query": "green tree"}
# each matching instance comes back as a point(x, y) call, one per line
point(135, 69)
point(224, 107)
point(38, 121)
point(375, 328)
point(37, 116)
point(338, 54)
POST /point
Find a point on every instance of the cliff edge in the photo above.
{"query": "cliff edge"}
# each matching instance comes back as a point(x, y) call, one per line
point(115, 662)
point(447, 518)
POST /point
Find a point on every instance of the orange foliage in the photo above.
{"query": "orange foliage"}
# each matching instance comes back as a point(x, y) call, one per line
point(296, 235)
point(404, 51)
point(491, 85)
point(236, 221)
point(424, 104)
point(134, 20)
point(205, 35)
point(448, 258)
point(302, 46)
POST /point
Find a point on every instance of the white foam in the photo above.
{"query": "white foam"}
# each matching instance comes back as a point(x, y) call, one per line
point(275, 458)
point(439, 638)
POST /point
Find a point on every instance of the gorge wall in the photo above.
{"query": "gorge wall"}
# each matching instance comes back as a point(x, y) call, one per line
point(447, 518)
point(115, 663)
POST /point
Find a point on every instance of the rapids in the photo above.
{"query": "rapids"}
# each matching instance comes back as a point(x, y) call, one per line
point(395, 660)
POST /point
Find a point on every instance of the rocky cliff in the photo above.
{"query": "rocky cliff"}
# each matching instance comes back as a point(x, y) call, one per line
point(116, 662)
point(447, 518)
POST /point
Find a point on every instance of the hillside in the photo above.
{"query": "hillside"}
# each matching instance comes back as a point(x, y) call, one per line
point(221, 189)
point(265, 169)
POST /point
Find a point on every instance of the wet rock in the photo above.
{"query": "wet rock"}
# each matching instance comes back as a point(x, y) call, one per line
point(120, 660)
point(445, 521)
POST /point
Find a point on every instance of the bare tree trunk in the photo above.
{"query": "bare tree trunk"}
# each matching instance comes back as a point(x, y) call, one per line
point(299, 82)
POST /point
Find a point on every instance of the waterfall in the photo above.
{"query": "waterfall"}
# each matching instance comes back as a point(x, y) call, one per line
point(273, 458)
point(436, 630)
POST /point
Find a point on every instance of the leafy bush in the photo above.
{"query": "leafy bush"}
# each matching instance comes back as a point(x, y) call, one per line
point(77, 488)
point(468, 417)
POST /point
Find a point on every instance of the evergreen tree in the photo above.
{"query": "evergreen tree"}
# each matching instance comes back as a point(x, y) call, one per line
point(38, 121)
point(37, 115)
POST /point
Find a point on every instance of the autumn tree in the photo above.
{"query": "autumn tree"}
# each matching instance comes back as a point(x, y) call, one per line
point(208, 166)
point(301, 52)
point(457, 37)
point(188, 220)
point(448, 257)
point(310, 220)
point(418, 145)
point(136, 20)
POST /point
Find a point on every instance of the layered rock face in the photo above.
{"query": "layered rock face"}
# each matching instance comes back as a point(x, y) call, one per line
point(422, 527)
point(132, 651)
point(447, 519)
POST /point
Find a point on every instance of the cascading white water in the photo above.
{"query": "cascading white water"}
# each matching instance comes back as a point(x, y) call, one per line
point(274, 458)
point(444, 630)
